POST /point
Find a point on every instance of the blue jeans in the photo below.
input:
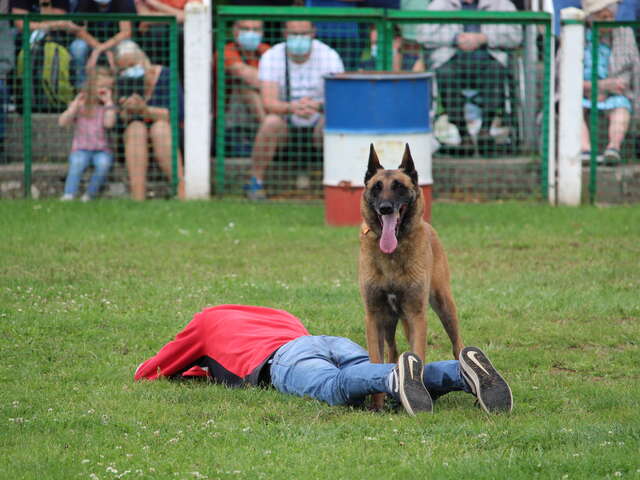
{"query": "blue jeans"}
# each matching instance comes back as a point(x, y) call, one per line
point(79, 160)
point(337, 371)
point(79, 50)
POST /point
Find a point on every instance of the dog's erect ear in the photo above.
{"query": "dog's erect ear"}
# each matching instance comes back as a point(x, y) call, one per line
point(374, 164)
point(407, 165)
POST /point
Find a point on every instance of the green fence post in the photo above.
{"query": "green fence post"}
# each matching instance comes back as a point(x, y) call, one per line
point(593, 116)
point(546, 112)
point(27, 80)
point(173, 113)
point(221, 36)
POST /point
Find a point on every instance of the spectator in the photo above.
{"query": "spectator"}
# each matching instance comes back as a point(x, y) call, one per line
point(48, 7)
point(242, 93)
point(618, 61)
point(93, 113)
point(404, 56)
point(144, 109)
point(7, 60)
point(470, 56)
point(627, 11)
point(292, 90)
point(98, 37)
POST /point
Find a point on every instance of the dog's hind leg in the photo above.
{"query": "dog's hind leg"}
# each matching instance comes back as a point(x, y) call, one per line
point(442, 303)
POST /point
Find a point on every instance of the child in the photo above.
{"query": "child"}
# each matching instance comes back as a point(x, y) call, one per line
point(92, 112)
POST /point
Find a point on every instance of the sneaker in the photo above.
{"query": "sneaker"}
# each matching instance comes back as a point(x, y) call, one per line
point(85, 198)
point(66, 197)
point(254, 190)
point(585, 157)
point(611, 156)
point(407, 386)
point(491, 390)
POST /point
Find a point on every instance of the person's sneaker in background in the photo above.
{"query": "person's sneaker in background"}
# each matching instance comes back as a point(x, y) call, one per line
point(491, 390)
point(254, 190)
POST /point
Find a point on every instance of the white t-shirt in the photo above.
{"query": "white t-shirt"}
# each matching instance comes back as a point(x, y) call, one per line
point(305, 79)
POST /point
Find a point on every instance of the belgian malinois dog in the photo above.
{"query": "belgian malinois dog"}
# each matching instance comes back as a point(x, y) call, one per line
point(402, 263)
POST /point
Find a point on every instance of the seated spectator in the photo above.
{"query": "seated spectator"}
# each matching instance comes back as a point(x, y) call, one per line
point(618, 61)
point(470, 56)
point(242, 93)
point(98, 37)
point(145, 113)
point(92, 113)
point(45, 7)
point(292, 90)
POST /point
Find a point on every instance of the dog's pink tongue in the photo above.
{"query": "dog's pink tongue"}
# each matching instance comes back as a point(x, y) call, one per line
point(388, 240)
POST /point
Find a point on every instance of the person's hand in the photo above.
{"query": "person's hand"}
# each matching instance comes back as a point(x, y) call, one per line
point(615, 85)
point(79, 100)
point(93, 58)
point(105, 96)
point(305, 107)
point(471, 41)
point(134, 104)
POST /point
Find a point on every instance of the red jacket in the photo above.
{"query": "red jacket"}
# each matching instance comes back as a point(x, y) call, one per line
point(228, 343)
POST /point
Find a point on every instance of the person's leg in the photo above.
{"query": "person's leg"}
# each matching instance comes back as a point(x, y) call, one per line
point(102, 163)
point(253, 100)
point(334, 370)
point(489, 79)
point(585, 139)
point(136, 152)
point(619, 119)
point(78, 162)
point(450, 85)
point(79, 50)
point(271, 133)
point(443, 377)
point(161, 141)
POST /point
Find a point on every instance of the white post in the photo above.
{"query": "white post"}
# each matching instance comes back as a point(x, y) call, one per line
point(198, 55)
point(570, 96)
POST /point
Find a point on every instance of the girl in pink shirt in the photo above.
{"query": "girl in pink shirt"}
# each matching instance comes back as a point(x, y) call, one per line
point(92, 112)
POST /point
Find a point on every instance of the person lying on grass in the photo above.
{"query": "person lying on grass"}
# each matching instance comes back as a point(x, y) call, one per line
point(238, 345)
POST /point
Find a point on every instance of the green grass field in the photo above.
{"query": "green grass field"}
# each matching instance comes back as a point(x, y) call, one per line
point(88, 291)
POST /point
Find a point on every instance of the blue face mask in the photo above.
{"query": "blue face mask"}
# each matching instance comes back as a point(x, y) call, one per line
point(136, 71)
point(298, 44)
point(249, 40)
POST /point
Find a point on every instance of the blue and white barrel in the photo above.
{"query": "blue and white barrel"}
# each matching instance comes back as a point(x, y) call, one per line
point(386, 109)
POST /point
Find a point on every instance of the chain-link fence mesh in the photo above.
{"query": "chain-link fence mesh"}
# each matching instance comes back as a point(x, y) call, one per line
point(271, 111)
point(610, 134)
point(490, 113)
point(84, 121)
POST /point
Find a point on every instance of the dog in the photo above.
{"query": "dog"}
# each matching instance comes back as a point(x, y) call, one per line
point(401, 264)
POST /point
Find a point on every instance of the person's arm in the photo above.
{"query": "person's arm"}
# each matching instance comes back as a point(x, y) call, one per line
point(502, 36)
point(246, 73)
point(67, 117)
point(100, 48)
point(63, 25)
point(159, 8)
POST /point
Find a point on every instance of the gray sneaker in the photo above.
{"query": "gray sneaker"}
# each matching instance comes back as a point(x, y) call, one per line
point(491, 390)
point(407, 386)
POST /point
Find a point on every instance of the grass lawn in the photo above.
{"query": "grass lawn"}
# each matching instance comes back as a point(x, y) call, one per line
point(88, 291)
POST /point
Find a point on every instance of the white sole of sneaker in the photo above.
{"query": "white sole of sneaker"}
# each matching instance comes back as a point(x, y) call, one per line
point(491, 390)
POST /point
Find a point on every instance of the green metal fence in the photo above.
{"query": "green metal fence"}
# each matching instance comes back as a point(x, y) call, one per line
point(491, 135)
point(67, 126)
point(611, 142)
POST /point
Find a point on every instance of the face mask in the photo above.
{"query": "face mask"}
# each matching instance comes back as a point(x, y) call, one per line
point(298, 44)
point(136, 71)
point(249, 40)
point(374, 50)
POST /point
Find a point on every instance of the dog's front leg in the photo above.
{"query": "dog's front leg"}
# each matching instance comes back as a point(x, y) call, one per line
point(375, 345)
point(416, 332)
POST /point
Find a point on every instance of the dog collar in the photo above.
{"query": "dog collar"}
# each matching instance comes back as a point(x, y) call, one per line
point(364, 229)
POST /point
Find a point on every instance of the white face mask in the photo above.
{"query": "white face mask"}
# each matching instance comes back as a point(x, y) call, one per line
point(298, 44)
point(136, 71)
